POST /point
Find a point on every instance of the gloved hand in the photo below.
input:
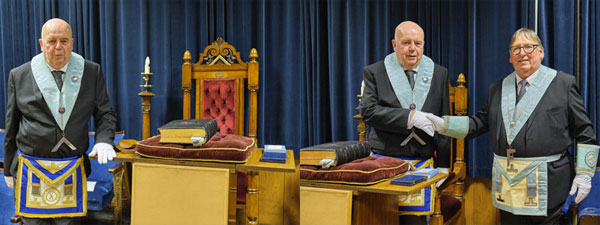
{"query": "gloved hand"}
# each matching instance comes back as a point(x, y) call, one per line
point(9, 182)
point(436, 121)
point(419, 120)
point(104, 151)
point(582, 185)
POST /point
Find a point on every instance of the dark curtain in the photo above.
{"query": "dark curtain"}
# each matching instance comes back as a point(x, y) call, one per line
point(311, 52)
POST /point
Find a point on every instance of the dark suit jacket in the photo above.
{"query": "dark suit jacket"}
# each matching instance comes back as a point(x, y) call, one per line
point(558, 118)
point(31, 128)
point(381, 110)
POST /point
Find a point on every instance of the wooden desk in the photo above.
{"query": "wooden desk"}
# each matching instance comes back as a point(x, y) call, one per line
point(253, 166)
point(377, 203)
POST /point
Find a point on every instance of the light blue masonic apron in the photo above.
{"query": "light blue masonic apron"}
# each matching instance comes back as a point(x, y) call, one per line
point(520, 185)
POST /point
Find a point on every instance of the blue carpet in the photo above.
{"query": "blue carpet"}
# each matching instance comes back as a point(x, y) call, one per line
point(7, 203)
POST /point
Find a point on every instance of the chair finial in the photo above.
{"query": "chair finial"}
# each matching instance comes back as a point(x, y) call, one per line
point(253, 55)
point(187, 57)
point(461, 80)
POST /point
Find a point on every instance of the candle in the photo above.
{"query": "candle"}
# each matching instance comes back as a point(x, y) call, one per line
point(147, 66)
point(362, 88)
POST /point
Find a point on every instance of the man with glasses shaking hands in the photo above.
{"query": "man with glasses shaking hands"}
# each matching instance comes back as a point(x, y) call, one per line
point(533, 115)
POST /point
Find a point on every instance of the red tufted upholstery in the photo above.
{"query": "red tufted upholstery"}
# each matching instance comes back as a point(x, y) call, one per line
point(219, 103)
point(220, 98)
point(220, 81)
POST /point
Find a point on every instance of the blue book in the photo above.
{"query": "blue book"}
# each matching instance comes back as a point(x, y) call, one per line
point(429, 172)
point(409, 180)
point(274, 148)
point(273, 157)
point(274, 153)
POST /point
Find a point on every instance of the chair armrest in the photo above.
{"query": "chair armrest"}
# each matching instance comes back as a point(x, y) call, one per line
point(115, 168)
point(457, 174)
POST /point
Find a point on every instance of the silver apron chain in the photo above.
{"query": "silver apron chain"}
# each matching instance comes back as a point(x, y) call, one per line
point(63, 139)
point(412, 132)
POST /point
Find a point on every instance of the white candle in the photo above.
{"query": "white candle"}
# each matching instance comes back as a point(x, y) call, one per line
point(147, 66)
point(362, 88)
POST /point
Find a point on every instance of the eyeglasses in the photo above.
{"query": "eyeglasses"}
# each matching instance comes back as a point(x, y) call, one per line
point(527, 48)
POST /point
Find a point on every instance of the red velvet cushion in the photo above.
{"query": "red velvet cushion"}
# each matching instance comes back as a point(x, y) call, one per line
point(219, 100)
point(363, 171)
point(220, 148)
point(450, 206)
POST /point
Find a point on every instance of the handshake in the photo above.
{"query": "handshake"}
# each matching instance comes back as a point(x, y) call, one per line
point(425, 121)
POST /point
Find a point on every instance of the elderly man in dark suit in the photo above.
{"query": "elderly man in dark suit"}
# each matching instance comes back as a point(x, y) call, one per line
point(50, 101)
point(398, 93)
point(533, 115)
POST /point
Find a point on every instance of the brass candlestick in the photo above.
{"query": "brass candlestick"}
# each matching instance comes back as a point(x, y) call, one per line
point(146, 77)
point(146, 105)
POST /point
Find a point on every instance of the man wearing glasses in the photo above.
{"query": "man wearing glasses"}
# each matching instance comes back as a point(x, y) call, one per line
point(533, 115)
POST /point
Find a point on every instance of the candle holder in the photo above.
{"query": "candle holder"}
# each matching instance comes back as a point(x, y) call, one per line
point(146, 105)
point(146, 77)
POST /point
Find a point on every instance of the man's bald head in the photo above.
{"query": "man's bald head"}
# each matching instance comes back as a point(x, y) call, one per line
point(56, 23)
point(408, 43)
point(56, 42)
point(408, 27)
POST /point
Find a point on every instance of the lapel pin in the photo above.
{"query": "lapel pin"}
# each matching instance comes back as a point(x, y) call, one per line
point(425, 79)
point(74, 78)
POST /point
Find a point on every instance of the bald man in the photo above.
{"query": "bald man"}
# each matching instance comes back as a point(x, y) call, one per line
point(50, 101)
point(399, 91)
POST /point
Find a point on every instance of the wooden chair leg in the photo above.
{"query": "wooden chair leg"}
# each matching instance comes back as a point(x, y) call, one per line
point(121, 191)
point(232, 204)
point(437, 218)
point(252, 198)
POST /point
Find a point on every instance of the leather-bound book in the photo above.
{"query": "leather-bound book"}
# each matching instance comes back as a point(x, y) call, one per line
point(334, 153)
point(409, 180)
point(196, 132)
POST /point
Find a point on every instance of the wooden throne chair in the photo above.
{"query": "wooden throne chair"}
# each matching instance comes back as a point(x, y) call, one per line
point(218, 81)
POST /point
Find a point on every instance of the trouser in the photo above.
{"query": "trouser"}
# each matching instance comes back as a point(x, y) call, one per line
point(555, 216)
point(411, 219)
point(52, 221)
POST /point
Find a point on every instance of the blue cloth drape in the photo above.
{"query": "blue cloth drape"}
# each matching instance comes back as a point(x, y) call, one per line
point(311, 52)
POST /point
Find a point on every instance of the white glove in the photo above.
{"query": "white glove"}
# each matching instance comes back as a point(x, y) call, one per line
point(9, 182)
point(582, 185)
point(436, 121)
point(104, 151)
point(419, 120)
point(440, 182)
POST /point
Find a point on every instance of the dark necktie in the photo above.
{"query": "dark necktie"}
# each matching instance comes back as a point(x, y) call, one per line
point(522, 90)
point(410, 74)
point(58, 78)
